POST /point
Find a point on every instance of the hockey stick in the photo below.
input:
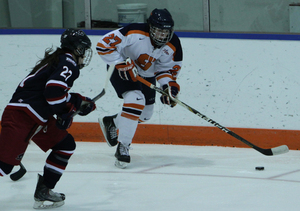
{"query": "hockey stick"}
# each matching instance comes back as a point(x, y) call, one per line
point(18, 174)
point(108, 75)
point(272, 151)
point(22, 171)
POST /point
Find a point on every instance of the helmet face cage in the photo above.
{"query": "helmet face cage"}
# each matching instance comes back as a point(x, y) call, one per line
point(160, 36)
point(79, 43)
point(86, 58)
point(161, 26)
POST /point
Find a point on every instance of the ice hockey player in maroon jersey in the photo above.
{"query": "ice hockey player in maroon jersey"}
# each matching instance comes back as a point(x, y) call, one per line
point(41, 109)
point(153, 51)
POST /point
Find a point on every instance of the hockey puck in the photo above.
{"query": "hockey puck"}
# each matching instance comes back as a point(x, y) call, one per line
point(259, 168)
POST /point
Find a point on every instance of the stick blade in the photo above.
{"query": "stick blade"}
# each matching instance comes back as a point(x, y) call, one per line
point(18, 174)
point(280, 150)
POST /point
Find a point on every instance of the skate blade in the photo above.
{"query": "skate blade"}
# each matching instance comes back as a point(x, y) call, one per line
point(40, 205)
point(120, 164)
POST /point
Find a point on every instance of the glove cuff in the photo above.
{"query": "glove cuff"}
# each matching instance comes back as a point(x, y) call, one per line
point(174, 84)
point(76, 100)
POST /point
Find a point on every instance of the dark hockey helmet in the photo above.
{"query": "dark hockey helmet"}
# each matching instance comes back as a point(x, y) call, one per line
point(79, 43)
point(161, 26)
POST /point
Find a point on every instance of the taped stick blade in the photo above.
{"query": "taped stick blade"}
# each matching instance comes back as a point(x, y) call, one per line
point(280, 150)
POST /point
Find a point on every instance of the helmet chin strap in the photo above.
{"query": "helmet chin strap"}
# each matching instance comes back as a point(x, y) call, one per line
point(76, 57)
point(83, 60)
point(154, 44)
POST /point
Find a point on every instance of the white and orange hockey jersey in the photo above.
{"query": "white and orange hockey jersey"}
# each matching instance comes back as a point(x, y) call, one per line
point(133, 41)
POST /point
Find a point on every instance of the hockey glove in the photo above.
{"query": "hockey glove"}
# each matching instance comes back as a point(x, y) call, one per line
point(172, 88)
point(76, 103)
point(87, 106)
point(84, 105)
point(64, 120)
point(127, 70)
point(76, 99)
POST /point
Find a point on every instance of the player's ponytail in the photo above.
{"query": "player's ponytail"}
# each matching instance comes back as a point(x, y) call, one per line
point(50, 58)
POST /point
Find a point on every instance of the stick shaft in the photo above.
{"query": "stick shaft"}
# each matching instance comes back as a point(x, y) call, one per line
point(272, 151)
point(102, 93)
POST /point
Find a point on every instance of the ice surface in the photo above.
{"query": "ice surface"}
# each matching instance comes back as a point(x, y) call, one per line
point(164, 178)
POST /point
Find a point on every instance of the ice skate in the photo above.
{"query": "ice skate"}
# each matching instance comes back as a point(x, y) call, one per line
point(122, 156)
point(45, 198)
point(109, 130)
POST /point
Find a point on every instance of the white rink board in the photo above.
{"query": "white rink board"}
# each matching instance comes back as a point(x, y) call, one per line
point(238, 83)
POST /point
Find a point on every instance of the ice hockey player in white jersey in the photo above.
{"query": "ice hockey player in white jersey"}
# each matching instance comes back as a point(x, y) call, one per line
point(151, 50)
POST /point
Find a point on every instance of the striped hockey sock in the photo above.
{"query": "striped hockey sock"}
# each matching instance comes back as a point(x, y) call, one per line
point(55, 165)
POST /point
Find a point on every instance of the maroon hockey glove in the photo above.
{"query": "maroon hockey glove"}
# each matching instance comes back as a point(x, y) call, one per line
point(84, 105)
point(76, 99)
point(87, 106)
point(127, 70)
point(64, 120)
point(172, 88)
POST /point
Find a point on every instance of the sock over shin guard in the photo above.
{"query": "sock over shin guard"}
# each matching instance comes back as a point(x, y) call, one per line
point(134, 103)
point(57, 161)
point(147, 113)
